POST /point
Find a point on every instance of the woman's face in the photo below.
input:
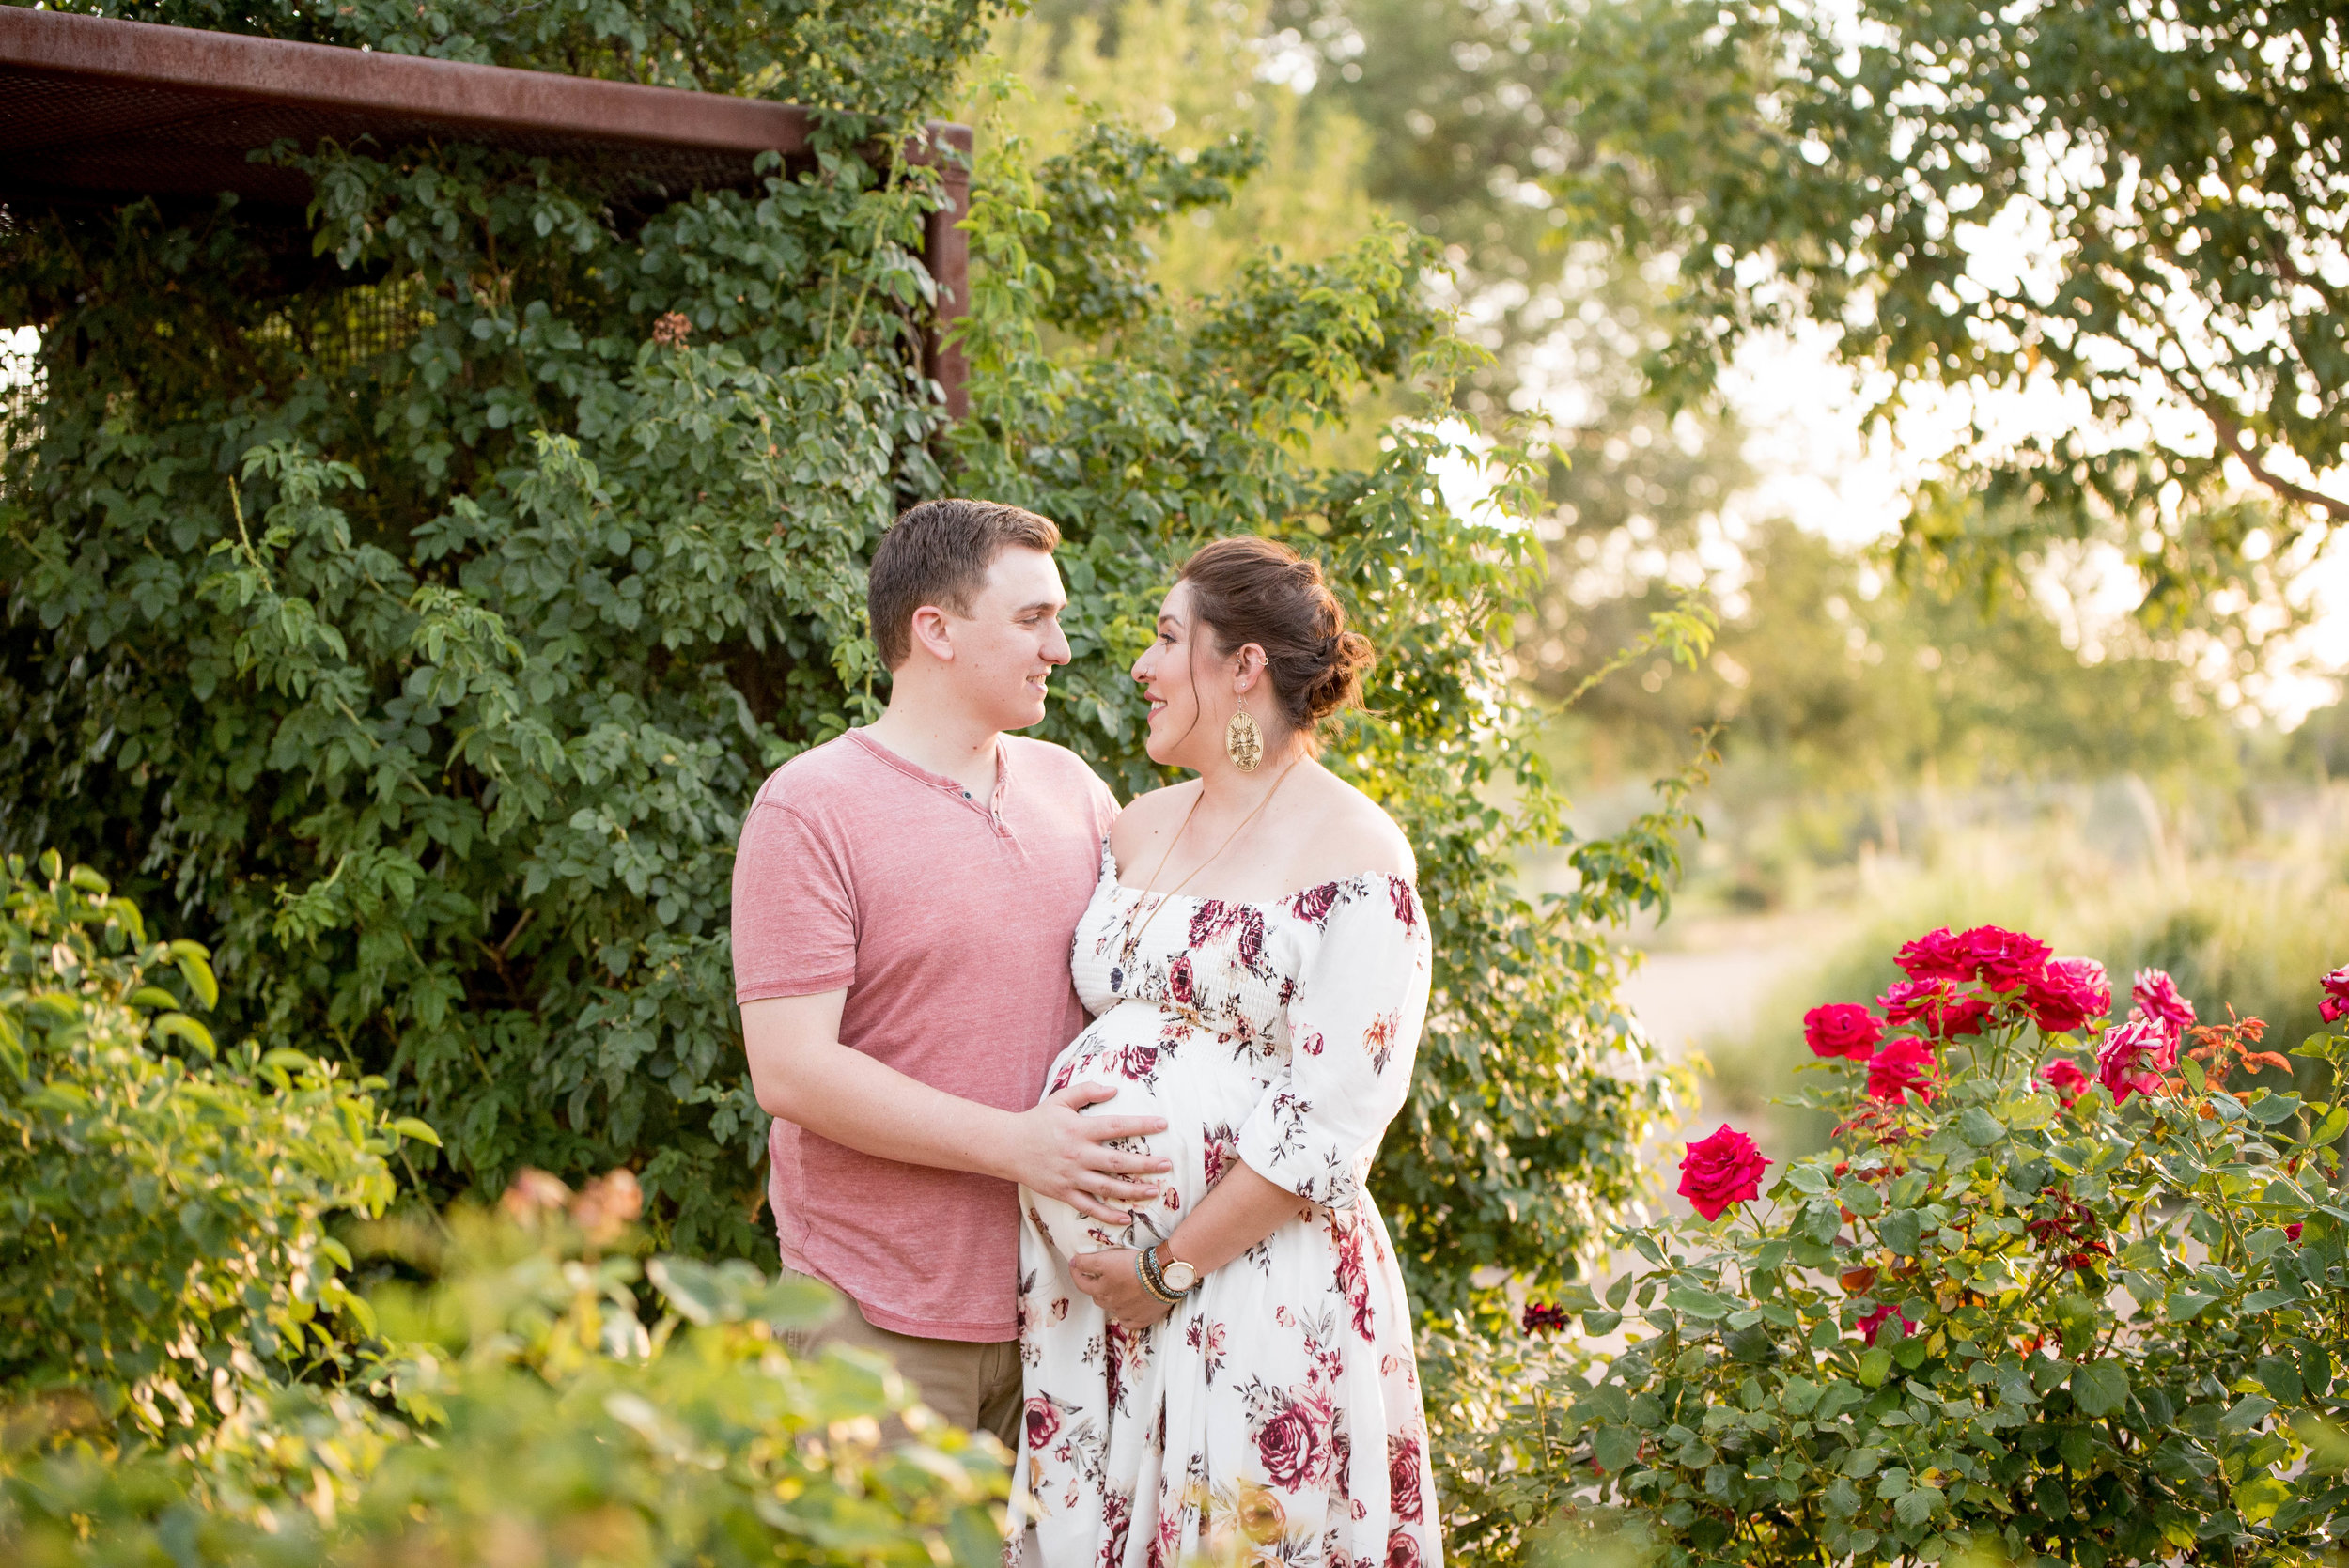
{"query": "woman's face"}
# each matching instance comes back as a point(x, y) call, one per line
point(1188, 687)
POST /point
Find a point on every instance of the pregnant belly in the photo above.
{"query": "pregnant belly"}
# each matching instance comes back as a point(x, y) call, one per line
point(1162, 1065)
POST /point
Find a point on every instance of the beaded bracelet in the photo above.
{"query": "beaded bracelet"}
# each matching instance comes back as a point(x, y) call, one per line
point(1146, 1272)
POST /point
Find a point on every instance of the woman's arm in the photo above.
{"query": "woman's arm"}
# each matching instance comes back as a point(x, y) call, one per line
point(1238, 1212)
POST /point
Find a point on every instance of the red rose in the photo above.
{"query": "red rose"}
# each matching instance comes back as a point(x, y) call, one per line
point(2292, 1231)
point(1291, 1446)
point(1043, 1422)
point(2068, 993)
point(1935, 955)
point(1841, 1028)
point(1722, 1170)
point(2001, 959)
point(1402, 1493)
point(2064, 1077)
point(1947, 1011)
point(1540, 1317)
point(1402, 1550)
point(1900, 1069)
point(2335, 1002)
point(1178, 980)
point(1876, 1322)
point(2156, 997)
point(2135, 1056)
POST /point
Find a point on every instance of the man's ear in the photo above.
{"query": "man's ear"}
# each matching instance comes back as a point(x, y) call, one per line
point(934, 633)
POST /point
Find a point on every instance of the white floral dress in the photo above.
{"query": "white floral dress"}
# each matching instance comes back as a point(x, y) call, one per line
point(1274, 1418)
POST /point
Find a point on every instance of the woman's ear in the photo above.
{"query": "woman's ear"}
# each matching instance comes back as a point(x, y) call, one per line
point(1249, 667)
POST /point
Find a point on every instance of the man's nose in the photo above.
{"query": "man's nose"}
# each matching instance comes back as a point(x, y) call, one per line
point(1056, 646)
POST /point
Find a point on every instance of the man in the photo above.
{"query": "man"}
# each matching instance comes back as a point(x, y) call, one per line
point(904, 897)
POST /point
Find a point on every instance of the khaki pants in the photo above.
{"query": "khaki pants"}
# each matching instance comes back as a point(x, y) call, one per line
point(973, 1384)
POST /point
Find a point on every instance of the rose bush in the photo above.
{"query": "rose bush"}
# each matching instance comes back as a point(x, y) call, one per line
point(2017, 1311)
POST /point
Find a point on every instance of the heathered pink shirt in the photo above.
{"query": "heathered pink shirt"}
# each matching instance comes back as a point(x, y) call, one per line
point(948, 918)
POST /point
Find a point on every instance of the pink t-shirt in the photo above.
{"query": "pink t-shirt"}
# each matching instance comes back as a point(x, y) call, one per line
point(948, 918)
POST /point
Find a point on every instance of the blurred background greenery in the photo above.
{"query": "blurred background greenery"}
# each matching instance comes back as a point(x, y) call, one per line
point(1897, 749)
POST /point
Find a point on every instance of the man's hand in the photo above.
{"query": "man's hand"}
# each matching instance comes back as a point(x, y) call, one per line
point(803, 1074)
point(1108, 1278)
point(1060, 1154)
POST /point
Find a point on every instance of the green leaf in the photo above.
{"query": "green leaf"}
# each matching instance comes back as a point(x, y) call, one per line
point(1597, 1322)
point(1697, 1302)
point(1979, 1127)
point(1875, 1365)
point(2184, 1304)
point(2246, 1413)
point(1808, 1179)
point(1620, 1291)
point(1901, 1230)
point(2270, 1107)
point(1860, 1463)
point(153, 996)
point(1800, 1396)
point(2100, 1388)
point(415, 1127)
point(1614, 1447)
point(1917, 1504)
point(178, 1026)
point(2268, 1301)
point(1860, 1197)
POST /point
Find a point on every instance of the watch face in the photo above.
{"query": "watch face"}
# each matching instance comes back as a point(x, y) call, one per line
point(1179, 1277)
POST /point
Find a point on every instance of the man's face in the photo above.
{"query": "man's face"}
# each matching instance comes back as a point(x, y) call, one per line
point(1006, 647)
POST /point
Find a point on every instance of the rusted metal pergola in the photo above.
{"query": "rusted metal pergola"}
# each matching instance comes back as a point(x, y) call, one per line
point(94, 110)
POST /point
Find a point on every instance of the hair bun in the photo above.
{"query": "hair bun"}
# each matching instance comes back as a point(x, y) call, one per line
point(1347, 658)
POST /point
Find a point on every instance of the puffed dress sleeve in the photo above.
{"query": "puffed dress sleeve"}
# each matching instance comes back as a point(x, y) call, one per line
point(1354, 1026)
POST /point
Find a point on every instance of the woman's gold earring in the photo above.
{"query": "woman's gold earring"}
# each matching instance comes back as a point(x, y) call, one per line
point(1244, 740)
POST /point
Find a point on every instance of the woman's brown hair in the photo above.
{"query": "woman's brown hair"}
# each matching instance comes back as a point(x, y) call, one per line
point(1253, 590)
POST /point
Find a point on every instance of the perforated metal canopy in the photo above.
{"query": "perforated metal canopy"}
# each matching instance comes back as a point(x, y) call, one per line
point(94, 110)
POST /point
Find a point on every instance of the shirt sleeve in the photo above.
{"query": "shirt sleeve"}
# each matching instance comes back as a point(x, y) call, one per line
point(1354, 1028)
point(794, 911)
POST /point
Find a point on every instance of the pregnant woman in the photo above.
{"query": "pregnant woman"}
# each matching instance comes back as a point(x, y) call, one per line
point(1231, 1370)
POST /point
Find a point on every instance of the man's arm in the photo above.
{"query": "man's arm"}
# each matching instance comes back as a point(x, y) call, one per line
point(803, 1074)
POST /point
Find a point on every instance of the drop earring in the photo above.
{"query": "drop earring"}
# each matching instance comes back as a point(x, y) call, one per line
point(1243, 741)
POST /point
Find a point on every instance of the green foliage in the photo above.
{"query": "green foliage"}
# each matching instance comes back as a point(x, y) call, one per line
point(1987, 1326)
point(1103, 194)
point(164, 1257)
point(1830, 673)
point(2171, 175)
point(427, 668)
point(531, 1411)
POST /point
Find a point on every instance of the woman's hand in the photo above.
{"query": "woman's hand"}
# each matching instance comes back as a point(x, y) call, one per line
point(1108, 1278)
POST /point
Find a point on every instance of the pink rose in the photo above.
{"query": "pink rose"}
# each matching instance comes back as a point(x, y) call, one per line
point(1841, 1028)
point(1935, 955)
point(2067, 993)
point(1722, 1170)
point(1178, 980)
point(2064, 1077)
point(2336, 1003)
point(1903, 1068)
point(1402, 1477)
point(1043, 1422)
point(1947, 1011)
point(2003, 960)
point(1293, 1446)
point(1876, 1322)
point(2156, 997)
point(2135, 1056)
point(1402, 1550)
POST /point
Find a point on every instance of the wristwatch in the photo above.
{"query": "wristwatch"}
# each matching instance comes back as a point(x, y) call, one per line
point(1178, 1275)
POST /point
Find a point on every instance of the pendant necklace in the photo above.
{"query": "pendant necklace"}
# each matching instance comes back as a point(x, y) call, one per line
point(1132, 938)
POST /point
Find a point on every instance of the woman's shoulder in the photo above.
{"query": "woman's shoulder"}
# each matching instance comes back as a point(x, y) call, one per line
point(1148, 819)
point(1351, 835)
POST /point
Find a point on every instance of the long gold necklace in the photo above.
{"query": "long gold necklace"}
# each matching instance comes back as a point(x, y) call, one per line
point(1133, 937)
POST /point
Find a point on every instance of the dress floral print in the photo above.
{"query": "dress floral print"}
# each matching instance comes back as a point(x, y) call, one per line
point(1274, 1418)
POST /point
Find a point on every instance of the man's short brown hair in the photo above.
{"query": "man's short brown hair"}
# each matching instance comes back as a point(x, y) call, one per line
point(938, 552)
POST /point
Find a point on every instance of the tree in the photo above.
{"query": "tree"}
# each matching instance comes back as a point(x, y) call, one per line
point(2126, 210)
point(429, 673)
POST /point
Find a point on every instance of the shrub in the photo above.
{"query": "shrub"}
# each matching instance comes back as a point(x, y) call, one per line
point(164, 1254)
point(2057, 1291)
point(528, 1413)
